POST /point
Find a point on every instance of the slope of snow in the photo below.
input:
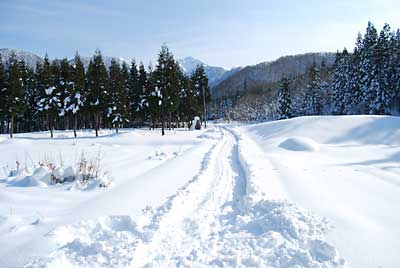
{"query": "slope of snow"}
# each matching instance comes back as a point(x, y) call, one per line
point(353, 179)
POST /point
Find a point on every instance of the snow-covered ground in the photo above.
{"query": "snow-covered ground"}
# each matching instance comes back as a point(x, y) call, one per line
point(305, 192)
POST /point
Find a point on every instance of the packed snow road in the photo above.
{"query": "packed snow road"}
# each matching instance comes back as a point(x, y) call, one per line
point(216, 219)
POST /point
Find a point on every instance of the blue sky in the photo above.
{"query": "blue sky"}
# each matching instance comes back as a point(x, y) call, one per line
point(220, 32)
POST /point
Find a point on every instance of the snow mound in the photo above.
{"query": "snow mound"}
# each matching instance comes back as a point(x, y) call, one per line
point(40, 177)
point(299, 144)
point(44, 176)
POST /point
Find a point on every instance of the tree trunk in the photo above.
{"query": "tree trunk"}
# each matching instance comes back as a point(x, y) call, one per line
point(12, 126)
point(162, 121)
point(75, 125)
point(204, 109)
point(96, 124)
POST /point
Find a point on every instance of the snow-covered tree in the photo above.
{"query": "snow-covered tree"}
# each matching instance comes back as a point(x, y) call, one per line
point(368, 70)
point(166, 85)
point(199, 82)
point(117, 97)
point(380, 87)
point(76, 99)
point(312, 100)
point(97, 92)
point(284, 103)
point(14, 92)
point(3, 94)
point(135, 95)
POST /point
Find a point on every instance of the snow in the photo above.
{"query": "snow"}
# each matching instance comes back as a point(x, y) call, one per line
point(353, 180)
point(225, 196)
point(299, 144)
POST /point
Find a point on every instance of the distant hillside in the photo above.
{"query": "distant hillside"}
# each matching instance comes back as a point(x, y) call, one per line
point(261, 75)
point(215, 74)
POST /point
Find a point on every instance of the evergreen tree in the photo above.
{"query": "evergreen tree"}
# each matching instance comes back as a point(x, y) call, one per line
point(3, 94)
point(152, 93)
point(368, 70)
point(47, 99)
point(313, 100)
point(66, 89)
point(117, 101)
point(380, 85)
point(14, 93)
point(199, 82)
point(75, 103)
point(188, 104)
point(135, 93)
point(284, 105)
point(166, 85)
point(96, 99)
point(354, 87)
point(30, 95)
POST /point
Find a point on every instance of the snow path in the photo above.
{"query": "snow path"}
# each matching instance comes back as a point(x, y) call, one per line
point(210, 222)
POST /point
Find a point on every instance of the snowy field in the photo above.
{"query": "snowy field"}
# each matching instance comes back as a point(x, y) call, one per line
point(305, 192)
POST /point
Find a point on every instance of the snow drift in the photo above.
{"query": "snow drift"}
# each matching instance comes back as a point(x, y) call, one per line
point(299, 144)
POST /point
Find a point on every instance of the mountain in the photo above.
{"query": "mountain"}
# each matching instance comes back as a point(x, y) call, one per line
point(30, 58)
point(215, 74)
point(264, 74)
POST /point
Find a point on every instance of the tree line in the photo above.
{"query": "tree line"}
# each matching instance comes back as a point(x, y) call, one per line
point(366, 81)
point(58, 94)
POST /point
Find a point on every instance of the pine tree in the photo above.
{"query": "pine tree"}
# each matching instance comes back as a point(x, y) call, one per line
point(148, 102)
point(97, 93)
point(77, 98)
point(66, 89)
point(3, 94)
point(340, 81)
point(284, 105)
point(188, 105)
point(380, 85)
point(199, 82)
point(367, 65)
point(47, 98)
point(117, 101)
point(354, 86)
point(30, 95)
point(313, 100)
point(166, 85)
point(124, 95)
point(14, 93)
point(135, 94)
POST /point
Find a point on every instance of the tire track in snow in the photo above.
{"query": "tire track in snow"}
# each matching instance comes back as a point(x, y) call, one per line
point(190, 229)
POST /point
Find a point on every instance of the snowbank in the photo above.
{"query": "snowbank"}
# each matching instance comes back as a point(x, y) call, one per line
point(360, 129)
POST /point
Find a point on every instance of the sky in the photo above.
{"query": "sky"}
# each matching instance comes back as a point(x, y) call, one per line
point(226, 33)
